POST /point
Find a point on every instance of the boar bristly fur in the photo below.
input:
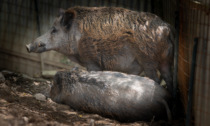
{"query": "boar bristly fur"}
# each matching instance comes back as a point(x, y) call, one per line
point(111, 38)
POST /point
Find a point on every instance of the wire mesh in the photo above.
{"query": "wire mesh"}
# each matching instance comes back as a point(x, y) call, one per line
point(18, 26)
point(194, 23)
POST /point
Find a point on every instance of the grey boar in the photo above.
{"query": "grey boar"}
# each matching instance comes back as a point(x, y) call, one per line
point(111, 38)
point(115, 95)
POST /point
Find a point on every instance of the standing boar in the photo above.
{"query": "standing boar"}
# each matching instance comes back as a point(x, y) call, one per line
point(111, 38)
point(120, 96)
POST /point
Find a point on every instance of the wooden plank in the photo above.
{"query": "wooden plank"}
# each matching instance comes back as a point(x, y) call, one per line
point(33, 58)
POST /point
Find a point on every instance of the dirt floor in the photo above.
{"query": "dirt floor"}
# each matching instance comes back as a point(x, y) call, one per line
point(19, 107)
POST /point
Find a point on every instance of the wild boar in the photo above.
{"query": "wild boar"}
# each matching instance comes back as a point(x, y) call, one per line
point(112, 38)
point(116, 95)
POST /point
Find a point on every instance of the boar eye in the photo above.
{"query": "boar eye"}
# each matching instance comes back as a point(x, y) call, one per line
point(54, 30)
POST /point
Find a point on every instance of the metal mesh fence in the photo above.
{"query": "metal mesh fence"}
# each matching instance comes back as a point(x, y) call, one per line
point(18, 26)
point(194, 23)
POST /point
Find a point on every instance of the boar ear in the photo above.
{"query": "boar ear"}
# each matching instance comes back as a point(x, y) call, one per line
point(61, 11)
point(67, 19)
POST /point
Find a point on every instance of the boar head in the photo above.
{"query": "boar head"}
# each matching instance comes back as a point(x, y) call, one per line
point(61, 37)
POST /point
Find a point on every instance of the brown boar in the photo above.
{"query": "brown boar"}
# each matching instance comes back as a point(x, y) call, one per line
point(114, 53)
point(111, 38)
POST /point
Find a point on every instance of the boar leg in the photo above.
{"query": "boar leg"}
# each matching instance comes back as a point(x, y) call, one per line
point(152, 74)
point(93, 67)
point(165, 71)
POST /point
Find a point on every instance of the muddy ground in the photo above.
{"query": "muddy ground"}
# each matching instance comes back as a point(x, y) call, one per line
point(19, 107)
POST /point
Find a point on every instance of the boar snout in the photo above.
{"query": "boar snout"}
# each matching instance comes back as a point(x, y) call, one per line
point(37, 47)
point(28, 48)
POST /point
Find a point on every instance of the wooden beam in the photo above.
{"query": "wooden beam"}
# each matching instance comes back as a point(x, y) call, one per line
point(33, 58)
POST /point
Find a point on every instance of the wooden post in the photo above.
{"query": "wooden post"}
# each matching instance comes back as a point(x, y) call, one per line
point(39, 32)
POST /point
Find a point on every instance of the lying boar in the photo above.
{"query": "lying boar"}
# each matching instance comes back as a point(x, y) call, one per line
point(111, 38)
point(119, 96)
